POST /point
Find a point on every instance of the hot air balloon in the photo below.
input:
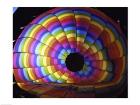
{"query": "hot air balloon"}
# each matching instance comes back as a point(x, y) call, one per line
point(70, 52)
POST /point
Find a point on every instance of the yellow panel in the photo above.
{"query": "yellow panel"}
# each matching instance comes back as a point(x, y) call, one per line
point(57, 75)
point(86, 46)
point(51, 69)
point(104, 65)
point(25, 45)
point(100, 55)
point(42, 49)
point(31, 74)
point(110, 34)
point(94, 49)
point(49, 40)
point(71, 36)
point(60, 35)
point(26, 59)
point(97, 24)
point(82, 16)
point(65, 15)
point(47, 21)
point(80, 39)
point(65, 76)
point(33, 32)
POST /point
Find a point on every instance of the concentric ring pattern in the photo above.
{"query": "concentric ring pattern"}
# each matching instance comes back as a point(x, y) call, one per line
point(43, 46)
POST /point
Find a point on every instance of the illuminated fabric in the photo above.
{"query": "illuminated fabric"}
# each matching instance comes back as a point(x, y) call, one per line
point(43, 46)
